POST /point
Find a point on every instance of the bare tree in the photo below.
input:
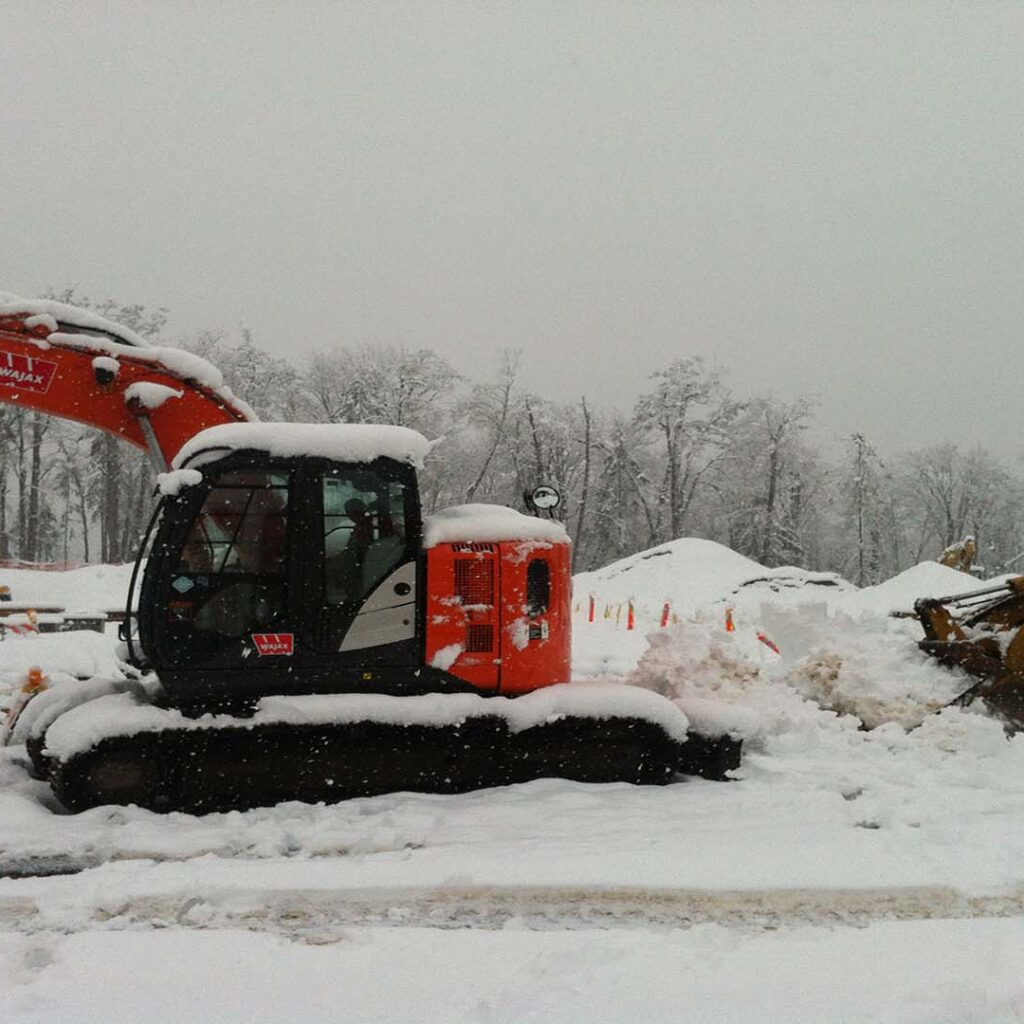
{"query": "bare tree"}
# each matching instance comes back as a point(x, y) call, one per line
point(581, 516)
point(690, 412)
point(866, 546)
point(379, 385)
point(622, 517)
point(956, 493)
point(490, 407)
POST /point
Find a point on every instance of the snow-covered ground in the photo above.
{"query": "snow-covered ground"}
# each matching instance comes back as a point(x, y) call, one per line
point(848, 873)
point(91, 588)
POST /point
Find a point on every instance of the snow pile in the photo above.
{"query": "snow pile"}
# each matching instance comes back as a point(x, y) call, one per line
point(707, 672)
point(345, 442)
point(926, 579)
point(867, 669)
point(70, 656)
point(88, 589)
point(70, 661)
point(838, 646)
point(486, 524)
point(690, 572)
point(80, 653)
point(869, 666)
point(695, 575)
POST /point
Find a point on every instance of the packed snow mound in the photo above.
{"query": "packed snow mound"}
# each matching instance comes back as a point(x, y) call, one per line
point(798, 637)
point(868, 670)
point(869, 666)
point(694, 574)
point(789, 584)
point(713, 676)
point(691, 572)
point(926, 579)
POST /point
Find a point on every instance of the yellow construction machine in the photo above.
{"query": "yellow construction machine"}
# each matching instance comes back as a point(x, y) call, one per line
point(981, 632)
point(960, 556)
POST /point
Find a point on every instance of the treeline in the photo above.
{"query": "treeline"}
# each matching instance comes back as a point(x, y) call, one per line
point(690, 459)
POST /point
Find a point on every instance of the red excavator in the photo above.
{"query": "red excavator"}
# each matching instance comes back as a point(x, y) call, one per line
point(313, 635)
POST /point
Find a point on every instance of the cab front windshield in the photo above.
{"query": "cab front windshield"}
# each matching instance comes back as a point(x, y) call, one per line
point(230, 577)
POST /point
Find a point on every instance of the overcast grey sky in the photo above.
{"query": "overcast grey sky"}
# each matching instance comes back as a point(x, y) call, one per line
point(825, 198)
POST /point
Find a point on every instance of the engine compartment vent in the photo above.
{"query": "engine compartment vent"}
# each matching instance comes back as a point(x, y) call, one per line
point(474, 581)
point(479, 638)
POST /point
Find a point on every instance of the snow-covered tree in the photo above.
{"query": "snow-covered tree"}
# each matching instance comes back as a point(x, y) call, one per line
point(866, 544)
point(687, 417)
point(379, 384)
point(621, 520)
point(268, 383)
point(951, 493)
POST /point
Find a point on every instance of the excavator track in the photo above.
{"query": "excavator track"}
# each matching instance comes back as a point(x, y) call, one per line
point(233, 768)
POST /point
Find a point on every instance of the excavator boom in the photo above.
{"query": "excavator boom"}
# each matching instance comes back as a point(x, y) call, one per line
point(67, 363)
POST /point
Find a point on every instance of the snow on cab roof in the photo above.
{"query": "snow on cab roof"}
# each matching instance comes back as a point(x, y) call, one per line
point(488, 524)
point(344, 442)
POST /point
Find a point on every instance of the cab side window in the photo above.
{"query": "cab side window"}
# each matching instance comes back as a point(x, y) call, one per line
point(364, 532)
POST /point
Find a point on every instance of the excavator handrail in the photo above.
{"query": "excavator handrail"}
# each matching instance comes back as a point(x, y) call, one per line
point(140, 557)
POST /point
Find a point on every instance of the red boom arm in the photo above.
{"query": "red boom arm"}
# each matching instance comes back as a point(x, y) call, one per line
point(156, 399)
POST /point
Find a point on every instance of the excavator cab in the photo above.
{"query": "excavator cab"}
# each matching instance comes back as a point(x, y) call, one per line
point(285, 575)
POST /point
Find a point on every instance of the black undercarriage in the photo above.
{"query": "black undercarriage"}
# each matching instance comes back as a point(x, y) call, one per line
point(238, 767)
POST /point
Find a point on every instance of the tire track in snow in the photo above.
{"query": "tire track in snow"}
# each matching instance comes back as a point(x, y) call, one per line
point(324, 916)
